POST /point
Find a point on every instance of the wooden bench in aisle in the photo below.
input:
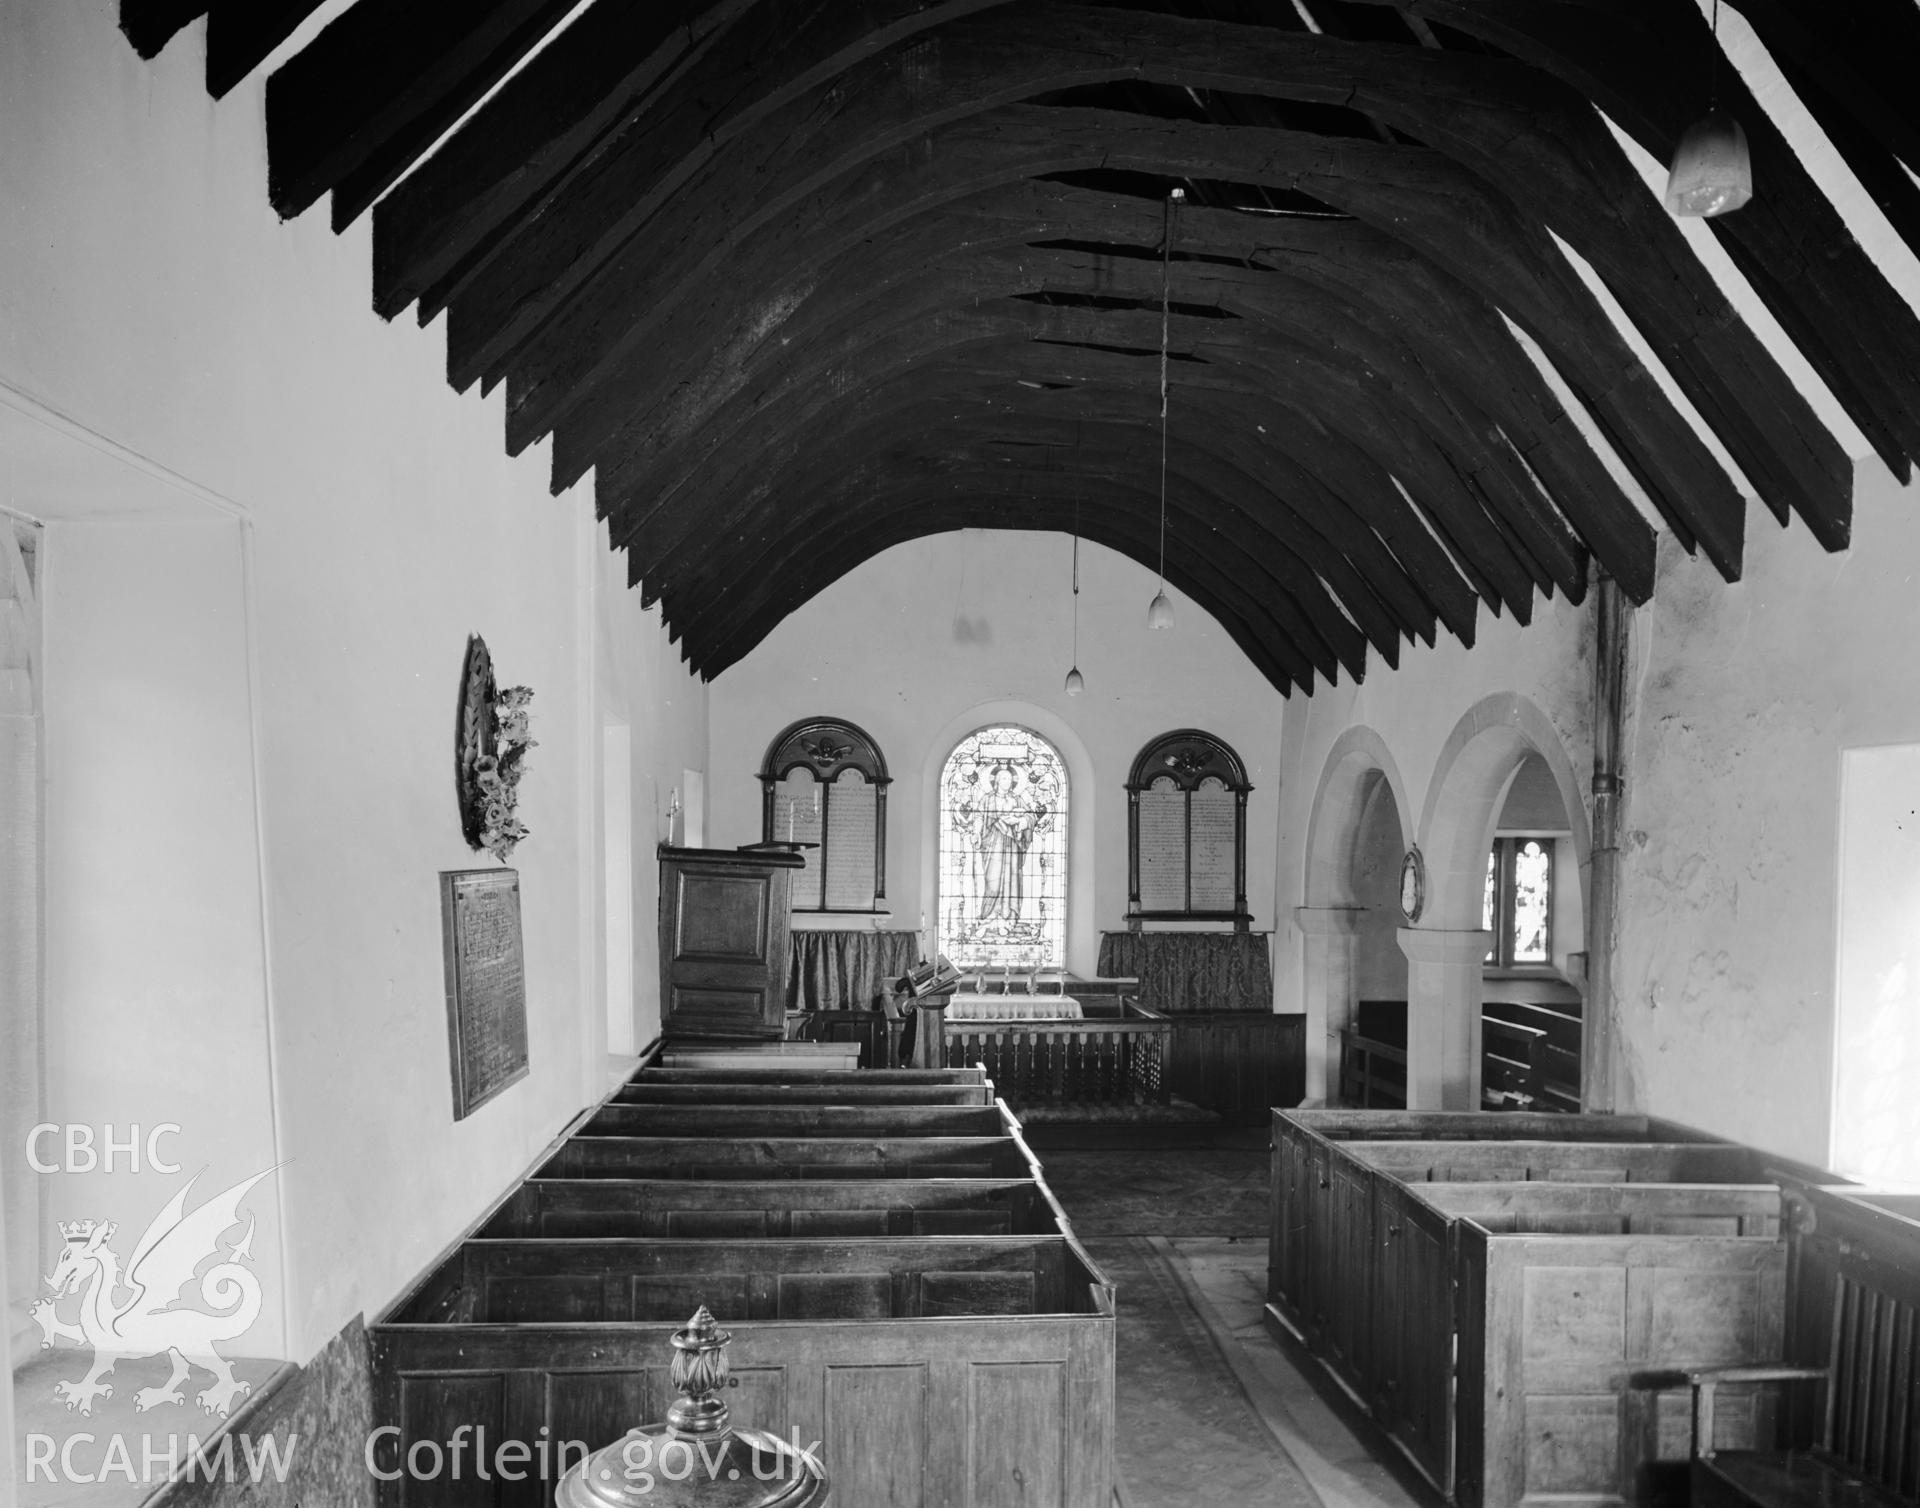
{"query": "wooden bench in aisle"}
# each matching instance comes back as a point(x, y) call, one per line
point(900, 1284)
point(1505, 1305)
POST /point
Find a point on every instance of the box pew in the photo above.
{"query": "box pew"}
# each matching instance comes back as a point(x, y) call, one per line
point(941, 1370)
point(792, 1121)
point(592, 1207)
point(1322, 1198)
point(1424, 1295)
point(1558, 1336)
point(760, 1157)
point(775, 1075)
point(1848, 1398)
point(623, 1280)
point(1372, 1265)
point(648, 1092)
point(1560, 1162)
point(1611, 1209)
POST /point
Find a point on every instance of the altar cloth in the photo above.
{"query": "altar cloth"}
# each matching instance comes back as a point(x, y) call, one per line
point(1013, 1008)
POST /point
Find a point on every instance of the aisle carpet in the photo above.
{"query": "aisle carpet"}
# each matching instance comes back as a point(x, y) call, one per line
point(1184, 1432)
point(1212, 1191)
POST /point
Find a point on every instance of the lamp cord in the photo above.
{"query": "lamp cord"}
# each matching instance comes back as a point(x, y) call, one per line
point(1713, 59)
point(1166, 282)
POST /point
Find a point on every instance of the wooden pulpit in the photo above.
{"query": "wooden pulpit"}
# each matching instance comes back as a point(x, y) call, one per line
point(723, 942)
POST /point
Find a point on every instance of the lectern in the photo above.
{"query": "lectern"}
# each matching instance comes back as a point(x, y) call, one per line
point(723, 942)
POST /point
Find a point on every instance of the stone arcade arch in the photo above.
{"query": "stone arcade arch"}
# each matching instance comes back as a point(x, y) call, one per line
point(1361, 801)
point(1445, 949)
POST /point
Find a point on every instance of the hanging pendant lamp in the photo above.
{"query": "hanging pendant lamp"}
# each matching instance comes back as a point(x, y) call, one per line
point(1076, 682)
point(1712, 172)
point(1160, 610)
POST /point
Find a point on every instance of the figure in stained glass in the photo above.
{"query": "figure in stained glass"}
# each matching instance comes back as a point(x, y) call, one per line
point(1002, 851)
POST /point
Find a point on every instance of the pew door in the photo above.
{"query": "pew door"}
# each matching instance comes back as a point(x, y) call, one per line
point(1416, 1326)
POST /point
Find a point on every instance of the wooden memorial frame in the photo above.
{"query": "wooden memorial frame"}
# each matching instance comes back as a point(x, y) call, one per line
point(1187, 758)
point(485, 965)
point(826, 747)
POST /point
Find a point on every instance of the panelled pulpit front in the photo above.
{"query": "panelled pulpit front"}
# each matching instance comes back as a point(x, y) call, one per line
point(724, 942)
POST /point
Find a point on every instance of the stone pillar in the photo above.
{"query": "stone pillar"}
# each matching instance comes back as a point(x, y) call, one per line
point(1327, 959)
point(1443, 1016)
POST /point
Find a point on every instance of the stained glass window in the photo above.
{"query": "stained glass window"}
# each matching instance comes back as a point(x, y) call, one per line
point(1518, 904)
point(1490, 903)
point(1532, 899)
point(1003, 851)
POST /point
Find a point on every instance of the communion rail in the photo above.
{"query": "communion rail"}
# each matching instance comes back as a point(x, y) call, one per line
point(1096, 1061)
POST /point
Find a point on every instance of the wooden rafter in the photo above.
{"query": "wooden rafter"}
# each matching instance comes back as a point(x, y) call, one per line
point(798, 280)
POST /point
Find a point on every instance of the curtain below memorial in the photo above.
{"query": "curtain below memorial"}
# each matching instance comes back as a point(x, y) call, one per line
point(1192, 971)
point(847, 971)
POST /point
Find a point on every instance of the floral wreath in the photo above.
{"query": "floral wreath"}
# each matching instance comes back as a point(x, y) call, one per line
point(491, 744)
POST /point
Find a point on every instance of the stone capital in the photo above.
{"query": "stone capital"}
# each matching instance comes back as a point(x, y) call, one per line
point(1431, 945)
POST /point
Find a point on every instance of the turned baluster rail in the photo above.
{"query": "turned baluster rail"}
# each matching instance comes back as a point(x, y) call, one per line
point(1087, 1062)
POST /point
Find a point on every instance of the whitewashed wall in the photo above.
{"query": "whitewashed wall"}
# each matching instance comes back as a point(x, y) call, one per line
point(930, 639)
point(149, 294)
point(1740, 700)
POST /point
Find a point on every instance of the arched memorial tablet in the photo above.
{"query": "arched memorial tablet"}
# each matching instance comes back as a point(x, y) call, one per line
point(1187, 831)
point(824, 787)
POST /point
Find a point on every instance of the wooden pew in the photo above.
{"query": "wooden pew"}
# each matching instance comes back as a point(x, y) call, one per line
point(1552, 1332)
point(623, 1280)
point(1373, 1056)
point(1849, 1431)
point(955, 1409)
point(700, 1157)
point(1553, 1030)
point(1372, 1264)
point(1510, 1068)
point(775, 1076)
point(915, 1303)
point(791, 1120)
point(652, 1093)
point(1373, 1074)
point(594, 1207)
point(1611, 1209)
point(1518, 1161)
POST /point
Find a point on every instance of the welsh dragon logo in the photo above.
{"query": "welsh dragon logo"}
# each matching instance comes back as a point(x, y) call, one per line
point(163, 1263)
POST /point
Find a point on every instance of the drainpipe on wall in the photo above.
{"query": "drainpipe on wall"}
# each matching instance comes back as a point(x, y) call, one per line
point(1609, 678)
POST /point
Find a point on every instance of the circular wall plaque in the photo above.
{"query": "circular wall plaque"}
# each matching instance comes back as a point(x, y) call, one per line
point(1413, 885)
point(475, 736)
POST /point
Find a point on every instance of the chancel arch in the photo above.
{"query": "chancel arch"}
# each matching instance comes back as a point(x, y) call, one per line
point(1355, 841)
point(1447, 948)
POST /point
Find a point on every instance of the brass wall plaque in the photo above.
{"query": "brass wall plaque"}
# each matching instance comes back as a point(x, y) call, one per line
point(486, 983)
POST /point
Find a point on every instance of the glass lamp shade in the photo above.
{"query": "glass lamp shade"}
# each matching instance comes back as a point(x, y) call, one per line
point(1076, 682)
point(1160, 611)
point(1712, 172)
